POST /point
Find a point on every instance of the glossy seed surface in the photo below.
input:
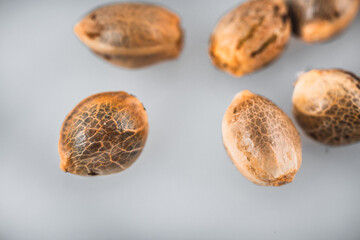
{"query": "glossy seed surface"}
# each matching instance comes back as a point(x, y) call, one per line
point(105, 133)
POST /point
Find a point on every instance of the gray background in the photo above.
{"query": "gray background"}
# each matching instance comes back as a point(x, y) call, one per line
point(183, 186)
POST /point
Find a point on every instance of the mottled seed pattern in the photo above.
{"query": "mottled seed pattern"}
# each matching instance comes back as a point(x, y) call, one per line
point(103, 134)
point(326, 104)
point(320, 20)
point(132, 34)
point(250, 36)
point(261, 140)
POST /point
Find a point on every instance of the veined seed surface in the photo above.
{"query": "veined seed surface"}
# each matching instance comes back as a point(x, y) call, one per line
point(326, 104)
point(105, 133)
point(261, 140)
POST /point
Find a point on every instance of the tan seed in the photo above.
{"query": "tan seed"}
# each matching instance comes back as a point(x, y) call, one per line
point(326, 104)
point(132, 35)
point(250, 36)
point(261, 140)
point(321, 20)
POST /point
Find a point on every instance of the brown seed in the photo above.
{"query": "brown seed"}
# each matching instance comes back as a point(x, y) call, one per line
point(105, 133)
point(261, 140)
point(320, 20)
point(326, 104)
point(132, 35)
point(250, 36)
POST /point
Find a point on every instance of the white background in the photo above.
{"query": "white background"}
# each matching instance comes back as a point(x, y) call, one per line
point(183, 186)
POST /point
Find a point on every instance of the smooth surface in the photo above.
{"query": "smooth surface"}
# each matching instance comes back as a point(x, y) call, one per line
point(184, 185)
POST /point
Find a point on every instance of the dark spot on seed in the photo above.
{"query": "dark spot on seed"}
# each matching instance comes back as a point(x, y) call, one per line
point(313, 135)
point(107, 57)
point(93, 35)
point(276, 9)
point(92, 173)
point(284, 18)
